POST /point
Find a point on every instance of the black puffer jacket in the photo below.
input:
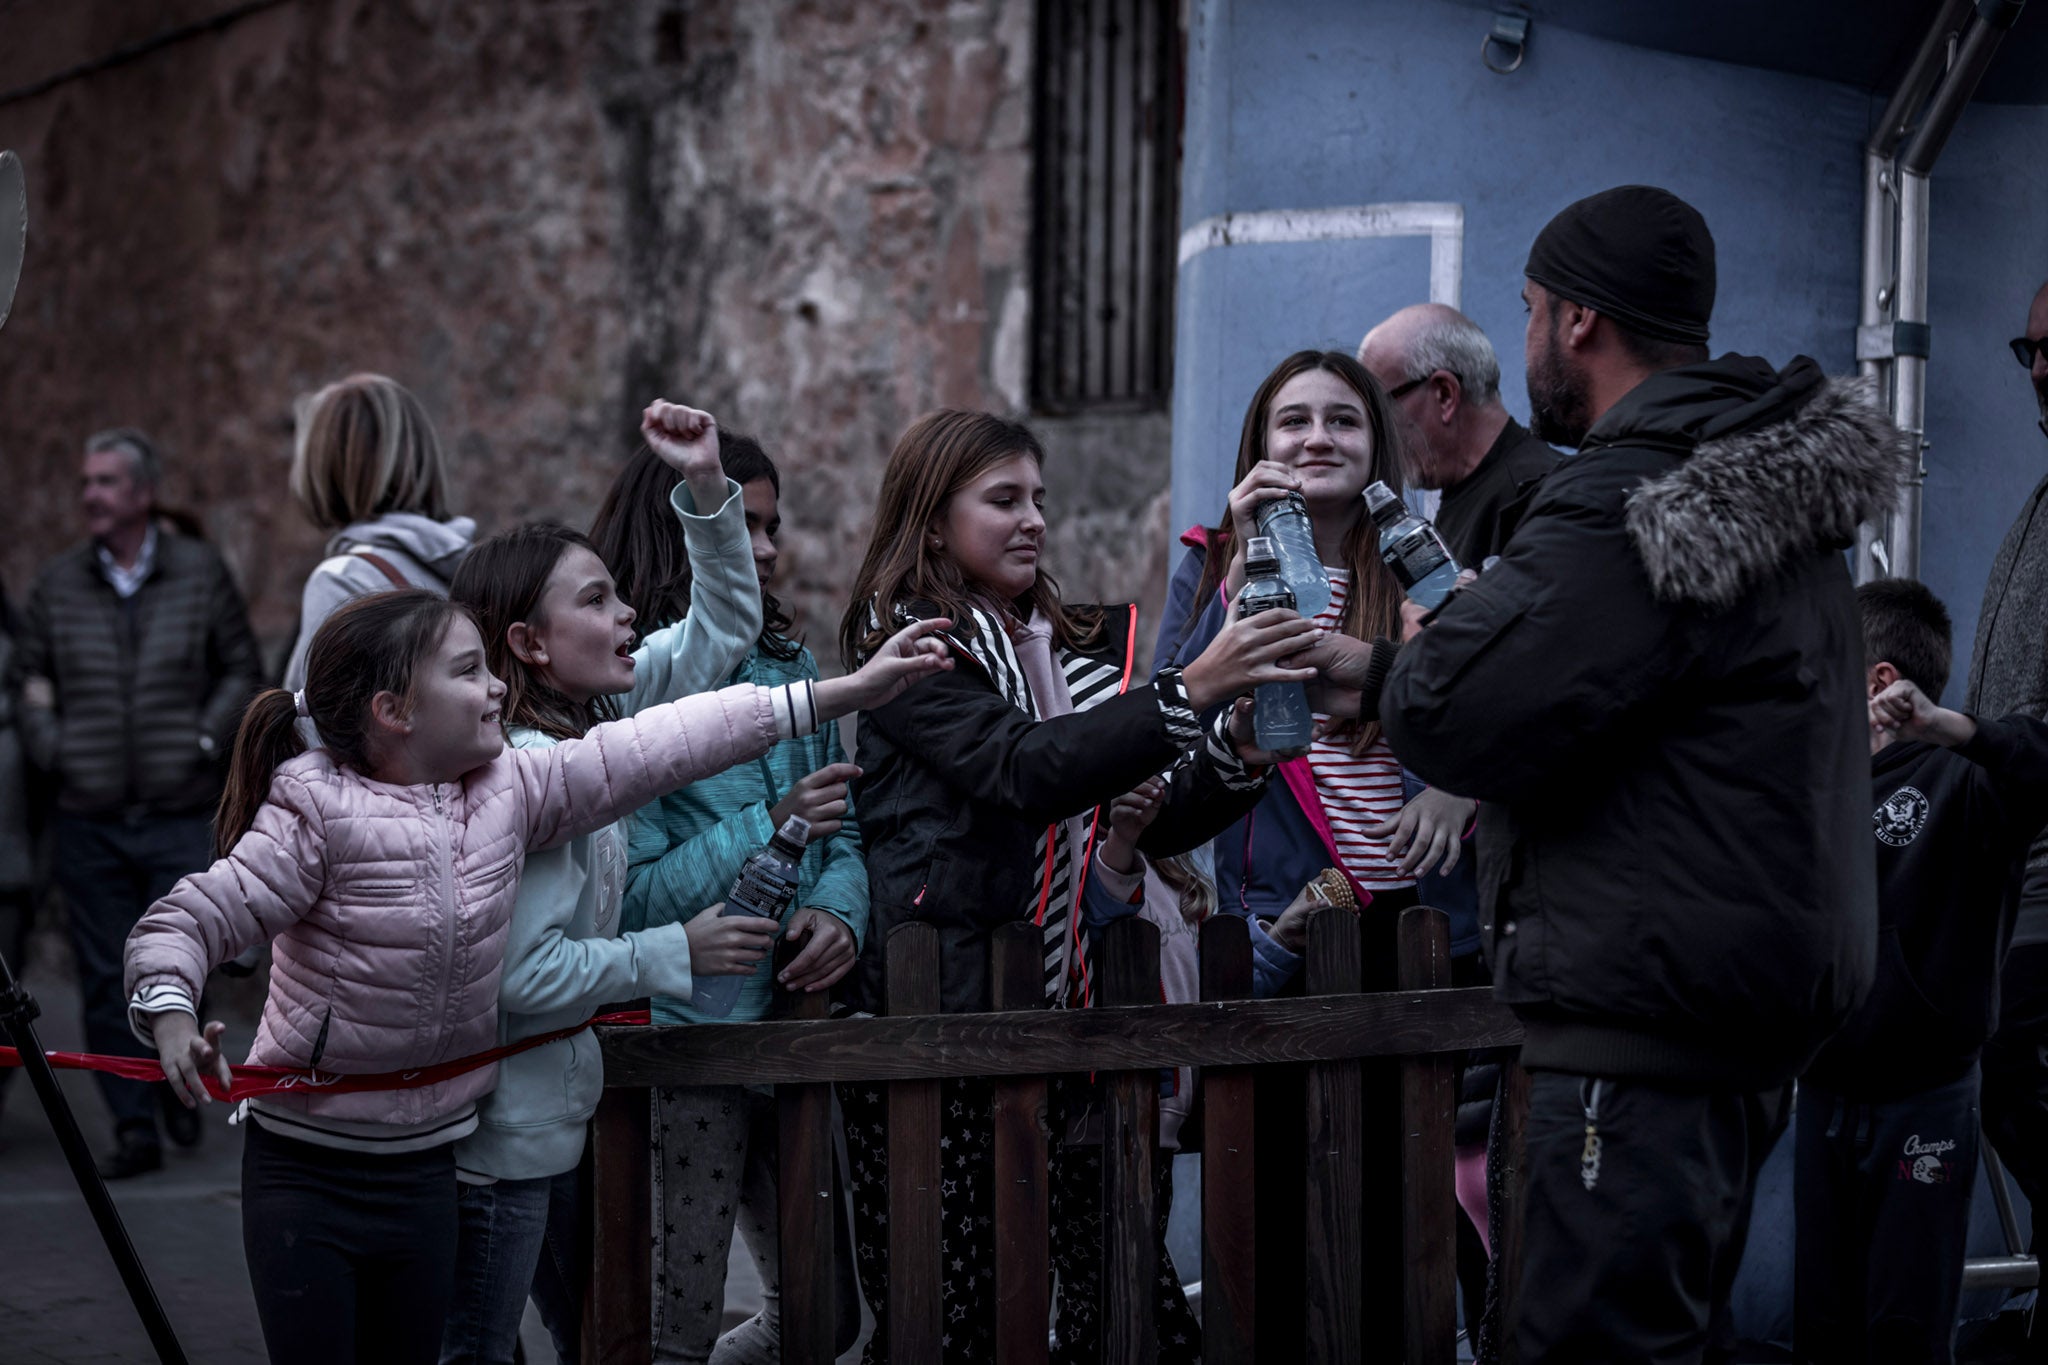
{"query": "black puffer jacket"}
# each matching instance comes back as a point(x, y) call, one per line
point(149, 689)
point(958, 785)
point(1658, 696)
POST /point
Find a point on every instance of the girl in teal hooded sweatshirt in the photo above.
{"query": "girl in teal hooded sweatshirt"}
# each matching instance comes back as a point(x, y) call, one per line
point(716, 1163)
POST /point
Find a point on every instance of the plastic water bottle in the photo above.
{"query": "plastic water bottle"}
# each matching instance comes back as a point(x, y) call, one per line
point(1282, 723)
point(1412, 548)
point(764, 888)
point(1284, 521)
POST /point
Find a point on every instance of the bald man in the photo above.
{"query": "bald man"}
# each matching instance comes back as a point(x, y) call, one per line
point(2008, 673)
point(1440, 371)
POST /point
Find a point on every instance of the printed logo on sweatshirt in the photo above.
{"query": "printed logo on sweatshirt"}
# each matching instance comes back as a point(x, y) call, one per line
point(1922, 1161)
point(1902, 816)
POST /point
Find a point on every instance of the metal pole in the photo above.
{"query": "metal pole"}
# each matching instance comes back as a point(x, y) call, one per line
point(1929, 63)
point(1909, 372)
point(1979, 45)
point(1879, 297)
point(18, 1010)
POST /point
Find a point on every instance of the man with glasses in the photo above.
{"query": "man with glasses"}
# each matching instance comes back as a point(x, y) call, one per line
point(1441, 372)
point(2009, 672)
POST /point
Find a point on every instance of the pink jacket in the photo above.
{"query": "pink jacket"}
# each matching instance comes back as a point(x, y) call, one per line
point(389, 905)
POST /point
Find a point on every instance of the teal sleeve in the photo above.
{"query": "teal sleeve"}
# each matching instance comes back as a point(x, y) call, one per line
point(843, 883)
point(697, 872)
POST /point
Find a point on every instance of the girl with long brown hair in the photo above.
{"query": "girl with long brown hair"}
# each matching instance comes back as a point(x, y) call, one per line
point(981, 798)
point(1319, 426)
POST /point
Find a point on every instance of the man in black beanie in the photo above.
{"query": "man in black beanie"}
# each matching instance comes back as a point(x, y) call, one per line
point(1657, 694)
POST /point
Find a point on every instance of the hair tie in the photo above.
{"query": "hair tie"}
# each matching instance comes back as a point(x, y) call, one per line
point(299, 702)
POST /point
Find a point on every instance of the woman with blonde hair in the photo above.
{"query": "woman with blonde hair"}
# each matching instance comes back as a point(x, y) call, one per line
point(368, 466)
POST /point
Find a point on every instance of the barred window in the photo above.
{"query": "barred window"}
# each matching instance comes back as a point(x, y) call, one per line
point(1107, 182)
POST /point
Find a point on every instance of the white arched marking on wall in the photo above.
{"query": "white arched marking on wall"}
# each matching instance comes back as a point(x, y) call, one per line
point(1443, 224)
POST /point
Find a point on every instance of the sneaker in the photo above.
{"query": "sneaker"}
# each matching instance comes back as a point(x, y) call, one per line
point(138, 1153)
point(182, 1125)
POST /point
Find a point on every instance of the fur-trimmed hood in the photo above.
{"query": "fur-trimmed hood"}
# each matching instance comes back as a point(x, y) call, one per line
point(1781, 465)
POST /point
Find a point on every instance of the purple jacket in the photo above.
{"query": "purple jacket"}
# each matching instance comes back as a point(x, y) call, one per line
point(389, 904)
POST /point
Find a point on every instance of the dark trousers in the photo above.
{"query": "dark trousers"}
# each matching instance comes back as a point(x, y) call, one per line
point(1075, 1215)
point(1882, 1209)
point(351, 1257)
point(110, 872)
point(1635, 1229)
point(2015, 1065)
point(17, 917)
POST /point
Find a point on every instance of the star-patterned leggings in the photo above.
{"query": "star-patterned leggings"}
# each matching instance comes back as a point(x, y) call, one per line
point(966, 1215)
point(1076, 1215)
point(714, 1166)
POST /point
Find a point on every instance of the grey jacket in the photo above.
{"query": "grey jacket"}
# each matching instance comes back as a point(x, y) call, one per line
point(423, 551)
point(2009, 663)
point(149, 689)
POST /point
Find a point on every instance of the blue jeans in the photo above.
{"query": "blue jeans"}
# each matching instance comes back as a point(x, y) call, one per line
point(518, 1237)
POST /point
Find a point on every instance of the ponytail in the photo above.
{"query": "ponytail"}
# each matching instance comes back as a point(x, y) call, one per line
point(269, 735)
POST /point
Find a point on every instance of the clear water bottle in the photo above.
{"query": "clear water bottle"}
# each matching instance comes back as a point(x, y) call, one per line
point(1284, 521)
point(1282, 723)
point(764, 888)
point(1412, 548)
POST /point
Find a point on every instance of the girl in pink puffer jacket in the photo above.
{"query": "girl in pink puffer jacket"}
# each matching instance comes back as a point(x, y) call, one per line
point(384, 866)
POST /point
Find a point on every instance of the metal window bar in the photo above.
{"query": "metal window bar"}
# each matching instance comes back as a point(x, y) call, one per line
point(1107, 183)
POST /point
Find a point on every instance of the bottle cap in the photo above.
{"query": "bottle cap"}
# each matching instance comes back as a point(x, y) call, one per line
point(1382, 503)
point(795, 831)
point(1260, 557)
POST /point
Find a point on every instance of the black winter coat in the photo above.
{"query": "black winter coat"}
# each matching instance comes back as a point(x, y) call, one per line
point(149, 689)
point(958, 785)
point(1657, 694)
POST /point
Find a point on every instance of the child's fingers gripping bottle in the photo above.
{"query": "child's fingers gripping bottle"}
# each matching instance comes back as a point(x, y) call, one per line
point(1282, 723)
point(764, 888)
point(1412, 548)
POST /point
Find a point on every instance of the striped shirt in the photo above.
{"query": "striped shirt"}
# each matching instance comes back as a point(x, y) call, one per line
point(1357, 792)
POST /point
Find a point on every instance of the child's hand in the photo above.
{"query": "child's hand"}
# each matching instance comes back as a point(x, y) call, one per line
point(1130, 815)
point(189, 1056)
point(1903, 711)
point(1268, 481)
point(1249, 650)
point(686, 439)
point(908, 655)
point(827, 957)
point(728, 945)
point(819, 797)
point(1244, 735)
point(1430, 831)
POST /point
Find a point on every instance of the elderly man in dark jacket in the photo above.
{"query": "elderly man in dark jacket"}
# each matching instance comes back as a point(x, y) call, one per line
point(1657, 695)
point(134, 661)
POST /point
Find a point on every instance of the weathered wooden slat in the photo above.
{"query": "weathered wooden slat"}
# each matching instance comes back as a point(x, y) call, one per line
point(1229, 1201)
point(911, 987)
point(1511, 1150)
point(1224, 1033)
point(618, 1308)
point(805, 1211)
point(1128, 974)
point(1429, 1211)
point(1335, 1271)
point(1023, 1241)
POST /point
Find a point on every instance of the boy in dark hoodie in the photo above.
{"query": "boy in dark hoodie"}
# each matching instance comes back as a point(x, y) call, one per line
point(1886, 1153)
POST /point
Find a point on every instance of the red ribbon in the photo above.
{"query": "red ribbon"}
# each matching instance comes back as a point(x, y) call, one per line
point(252, 1081)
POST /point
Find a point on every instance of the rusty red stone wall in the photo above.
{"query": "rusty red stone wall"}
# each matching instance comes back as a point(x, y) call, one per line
point(810, 218)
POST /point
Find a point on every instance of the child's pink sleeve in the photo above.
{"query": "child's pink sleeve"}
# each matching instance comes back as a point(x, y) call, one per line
point(580, 785)
point(266, 883)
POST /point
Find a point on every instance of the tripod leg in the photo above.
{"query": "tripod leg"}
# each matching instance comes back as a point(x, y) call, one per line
point(18, 1010)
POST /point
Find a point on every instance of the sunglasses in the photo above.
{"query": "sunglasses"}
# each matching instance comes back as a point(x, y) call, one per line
point(2026, 349)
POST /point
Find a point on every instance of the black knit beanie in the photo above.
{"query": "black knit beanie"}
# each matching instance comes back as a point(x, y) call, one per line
point(1637, 254)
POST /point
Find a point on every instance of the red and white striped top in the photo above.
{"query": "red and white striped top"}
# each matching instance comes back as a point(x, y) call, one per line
point(1357, 792)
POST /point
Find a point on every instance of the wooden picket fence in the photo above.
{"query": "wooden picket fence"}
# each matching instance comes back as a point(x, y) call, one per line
point(1325, 1126)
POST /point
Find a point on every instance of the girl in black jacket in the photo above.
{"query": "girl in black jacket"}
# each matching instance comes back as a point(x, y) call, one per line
point(979, 798)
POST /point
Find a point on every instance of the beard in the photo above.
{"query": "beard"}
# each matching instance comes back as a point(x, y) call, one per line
point(1560, 400)
point(2041, 401)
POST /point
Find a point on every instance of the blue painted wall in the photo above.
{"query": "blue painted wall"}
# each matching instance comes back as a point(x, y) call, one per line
point(1317, 103)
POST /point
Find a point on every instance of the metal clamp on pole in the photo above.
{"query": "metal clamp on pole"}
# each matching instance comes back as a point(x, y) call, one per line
point(1510, 33)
